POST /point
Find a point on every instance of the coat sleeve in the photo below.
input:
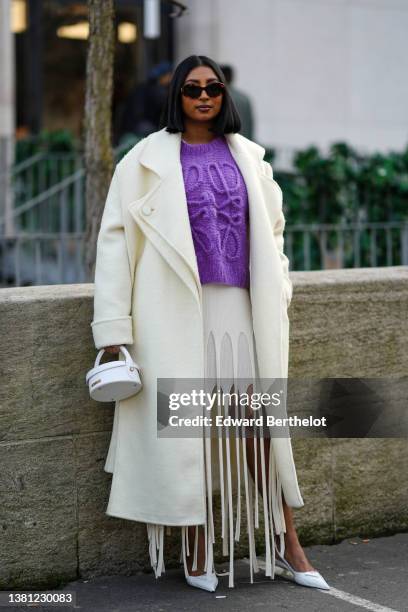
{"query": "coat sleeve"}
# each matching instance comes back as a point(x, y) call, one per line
point(112, 320)
point(278, 233)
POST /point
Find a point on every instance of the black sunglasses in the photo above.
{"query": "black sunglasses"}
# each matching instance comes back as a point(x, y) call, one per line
point(194, 91)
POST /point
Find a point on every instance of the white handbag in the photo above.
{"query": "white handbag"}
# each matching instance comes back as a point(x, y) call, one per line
point(114, 380)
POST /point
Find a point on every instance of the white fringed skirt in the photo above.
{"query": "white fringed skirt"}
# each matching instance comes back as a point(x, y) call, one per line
point(230, 360)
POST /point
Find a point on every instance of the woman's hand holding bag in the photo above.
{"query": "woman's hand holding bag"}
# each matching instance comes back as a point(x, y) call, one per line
point(114, 350)
point(114, 380)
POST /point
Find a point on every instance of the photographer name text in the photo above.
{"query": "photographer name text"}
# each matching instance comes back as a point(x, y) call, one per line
point(260, 421)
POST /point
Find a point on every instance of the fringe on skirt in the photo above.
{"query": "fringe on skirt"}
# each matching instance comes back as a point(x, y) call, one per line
point(230, 357)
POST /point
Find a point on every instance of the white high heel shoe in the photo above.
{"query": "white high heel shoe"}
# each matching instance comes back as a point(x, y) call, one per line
point(310, 579)
point(208, 582)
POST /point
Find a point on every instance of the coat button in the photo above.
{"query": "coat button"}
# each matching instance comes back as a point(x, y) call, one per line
point(146, 210)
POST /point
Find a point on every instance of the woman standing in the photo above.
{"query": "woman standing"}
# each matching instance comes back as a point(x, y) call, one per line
point(190, 272)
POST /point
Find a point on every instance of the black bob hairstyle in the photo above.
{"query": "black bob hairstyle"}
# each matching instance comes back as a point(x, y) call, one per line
point(171, 118)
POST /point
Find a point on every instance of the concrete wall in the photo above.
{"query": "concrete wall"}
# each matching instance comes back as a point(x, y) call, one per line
point(54, 492)
point(317, 71)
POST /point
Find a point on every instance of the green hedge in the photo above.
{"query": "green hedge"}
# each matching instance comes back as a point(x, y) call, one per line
point(345, 186)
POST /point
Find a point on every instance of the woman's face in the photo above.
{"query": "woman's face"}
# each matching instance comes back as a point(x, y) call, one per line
point(202, 75)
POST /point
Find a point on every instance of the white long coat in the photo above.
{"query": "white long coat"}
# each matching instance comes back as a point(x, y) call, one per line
point(148, 297)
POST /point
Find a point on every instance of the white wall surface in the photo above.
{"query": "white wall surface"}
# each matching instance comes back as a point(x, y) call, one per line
point(318, 71)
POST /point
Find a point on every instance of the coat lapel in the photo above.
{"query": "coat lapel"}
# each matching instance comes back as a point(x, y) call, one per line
point(162, 213)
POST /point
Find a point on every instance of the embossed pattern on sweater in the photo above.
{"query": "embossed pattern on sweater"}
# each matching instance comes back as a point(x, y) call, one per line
point(218, 210)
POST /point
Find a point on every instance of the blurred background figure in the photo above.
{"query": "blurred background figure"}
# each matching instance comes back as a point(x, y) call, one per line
point(339, 158)
point(140, 112)
point(242, 102)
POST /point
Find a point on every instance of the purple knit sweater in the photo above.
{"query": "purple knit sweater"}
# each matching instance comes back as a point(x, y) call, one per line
point(218, 209)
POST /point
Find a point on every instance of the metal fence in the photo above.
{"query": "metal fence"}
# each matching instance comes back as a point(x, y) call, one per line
point(50, 217)
point(41, 171)
point(43, 258)
point(360, 244)
point(47, 247)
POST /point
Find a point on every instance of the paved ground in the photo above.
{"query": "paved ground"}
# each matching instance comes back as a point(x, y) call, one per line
point(370, 575)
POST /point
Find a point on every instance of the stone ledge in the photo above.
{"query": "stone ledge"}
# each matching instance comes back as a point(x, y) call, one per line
point(53, 490)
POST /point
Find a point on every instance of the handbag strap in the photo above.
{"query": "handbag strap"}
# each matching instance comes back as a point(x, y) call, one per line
point(128, 359)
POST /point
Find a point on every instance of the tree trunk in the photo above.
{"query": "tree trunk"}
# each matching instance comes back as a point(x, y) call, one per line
point(7, 120)
point(97, 121)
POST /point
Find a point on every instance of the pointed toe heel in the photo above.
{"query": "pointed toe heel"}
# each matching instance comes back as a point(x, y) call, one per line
point(309, 579)
point(208, 582)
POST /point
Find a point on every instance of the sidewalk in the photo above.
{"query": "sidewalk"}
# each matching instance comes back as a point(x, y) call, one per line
point(371, 575)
